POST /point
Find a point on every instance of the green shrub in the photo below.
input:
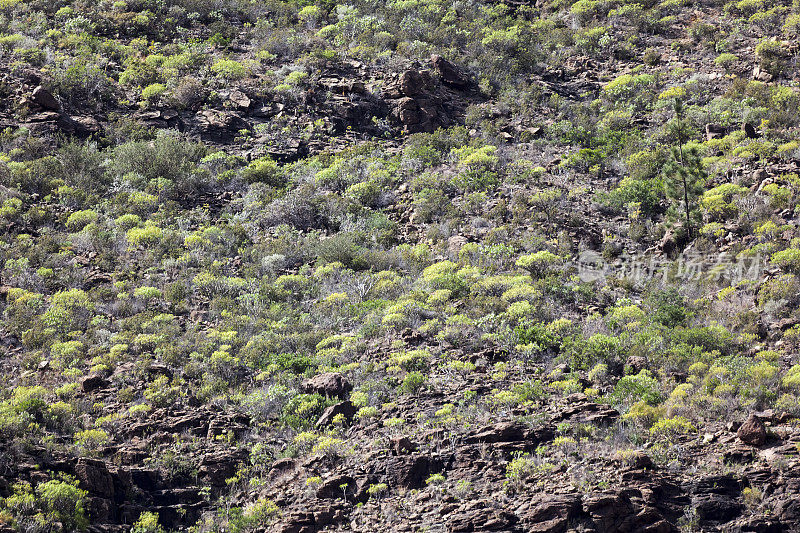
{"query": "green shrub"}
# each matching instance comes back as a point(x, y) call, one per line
point(669, 308)
point(310, 14)
point(229, 69)
point(478, 167)
point(366, 193)
point(128, 221)
point(264, 170)
point(522, 468)
point(792, 378)
point(367, 412)
point(599, 348)
point(538, 263)
point(153, 92)
point(412, 383)
point(303, 410)
point(92, 439)
point(647, 193)
point(64, 502)
point(791, 25)
point(412, 360)
point(446, 275)
point(10, 42)
point(585, 10)
point(146, 235)
point(67, 353)
point(147, 293)
point(376, 490)
point(671, 427)
point(718, 201)
point(255, 516)
point(25, 407)
point(640, 387)
point(169, 156)
point(69, 310)
point(147, 523)
point(627, 85)
point(788, 259)
point(771, 56)
point(535, 337)
point(727, 61)
point(161, 393)
point(708, 338)
point(55, 505)
point(80, 219)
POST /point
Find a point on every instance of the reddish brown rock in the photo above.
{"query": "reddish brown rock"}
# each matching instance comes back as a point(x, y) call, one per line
point(411, 83)
point(410, 471)
point(44, 98)
point(449, 73)
point(346, 409)
point(583, 410)
point(86, 125)
point(219, 126)
point(94, 477)
point(761, 75)
point(240, 99)
point(753, 431)
point(501, 432)
point(297, 522)
point(716, 507)
point(402, 445)
point(217, 467)
point(92, 383)
point(552, 513)
point(482, 517)
point(408, 111)
point(337, 487)
point(330, 384)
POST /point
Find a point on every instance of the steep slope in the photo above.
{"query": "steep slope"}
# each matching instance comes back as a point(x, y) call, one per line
point(414, 265)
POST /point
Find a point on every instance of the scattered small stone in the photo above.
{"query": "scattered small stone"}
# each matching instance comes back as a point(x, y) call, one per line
point(761, 75)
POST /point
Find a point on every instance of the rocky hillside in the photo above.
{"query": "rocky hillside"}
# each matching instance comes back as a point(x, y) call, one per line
point(402, 266)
